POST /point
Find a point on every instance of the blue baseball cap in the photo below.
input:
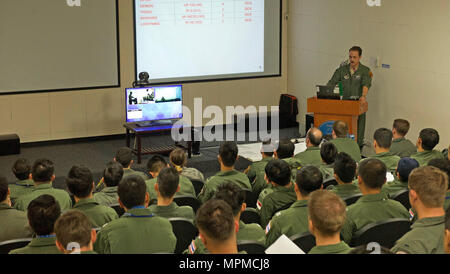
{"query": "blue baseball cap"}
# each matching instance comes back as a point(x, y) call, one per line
point(405, 167)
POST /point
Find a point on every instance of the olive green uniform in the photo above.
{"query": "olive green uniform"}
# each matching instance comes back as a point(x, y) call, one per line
point(19, 189)
point(279, 197)
point(186, 188)
point(108, 196)
point(311, 156)
point(340, 248)
point(370, 209)
point(394, 187)
point(289, 222)
point(259, 184)
point(352, 86)
point(447, 201)
point(192, 174)
point(346, 190)
point(99, 215)
point(258, 167)
point(129, 172)
point(426, 237)
point(327, 171)
point(39, 245)
point(403, 147)
point(60, 195)
point(247, 232)
point(211, 185)
point(389, 159)
point(173, 211)
point(425, 156)
point(14, 224)
point(348, 146)
point(138, 231)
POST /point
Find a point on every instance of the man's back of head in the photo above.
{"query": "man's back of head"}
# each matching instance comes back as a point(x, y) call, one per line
point(401, 127)
point(328, 153)
point(74, 227)
point(168, 182)
point(326, 213)
point(429, 185)
point(178, 157)
point(113, 174)
point(80, 181)
point(340, 129)
point(372, 172)
point(156, 164)
point(232, 195)
point(285, 149)
point(124, 156)
point(442, 164)
point(21, 169)
point(405, 166)
point(42, 214)
point(314, 136)
point(345, 167)
point(42, 171)
point(228, 153)
point(278, 172)
point(429, 139)
point(132, 192)
point(383, 138)
point(309, 179)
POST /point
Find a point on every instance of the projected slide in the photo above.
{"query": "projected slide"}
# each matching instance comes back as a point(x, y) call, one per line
point(179, 39)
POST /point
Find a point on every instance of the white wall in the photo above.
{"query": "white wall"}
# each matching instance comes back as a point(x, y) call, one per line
point(410, 35)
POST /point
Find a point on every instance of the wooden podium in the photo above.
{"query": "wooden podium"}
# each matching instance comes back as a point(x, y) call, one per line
point(332, 110)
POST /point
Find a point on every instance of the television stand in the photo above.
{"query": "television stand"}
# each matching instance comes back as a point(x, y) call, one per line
point(154, 123)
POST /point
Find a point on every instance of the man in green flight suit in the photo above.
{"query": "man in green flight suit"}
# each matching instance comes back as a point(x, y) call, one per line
point(22, 171)
point(124, 156)
point(356, 80)
point(138, 231)
point(328, 153)
point(444, 165)
point(427, 187)
point(344, 173)
point(112, 175)
point(427, 141)
point(382, 141)
point(404, 168)
point(343, 143)
point(311, 156)
point(400, 145)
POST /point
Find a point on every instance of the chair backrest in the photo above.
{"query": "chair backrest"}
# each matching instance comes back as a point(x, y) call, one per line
point(251, 216)
point(198, 185)
point(7, 246)
point(402, 197)
point(188, 200)
point(306, 241)
point(331, 182)
point(352, 199)
point(251, 247)
point(385, 233)
point(185, 231)
point(286, 206)
point(120, 211)
point(250, 198)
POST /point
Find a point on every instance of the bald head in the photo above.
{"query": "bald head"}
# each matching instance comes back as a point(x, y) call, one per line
point(314, 136)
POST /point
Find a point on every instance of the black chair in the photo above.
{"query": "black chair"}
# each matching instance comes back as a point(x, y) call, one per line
point(120, 211)
point(251, 247)
point(402, 197)
point(328, 183)
point(188, 200)
point(385, 233)
point(250, 216)
point(306, 241)
point(185, 231)
point(198, 185)
point(250, 198)
point(352, 199)
point(7, 246)
point(286, 206)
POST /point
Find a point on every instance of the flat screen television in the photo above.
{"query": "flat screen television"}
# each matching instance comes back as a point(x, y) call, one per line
point(153, 105)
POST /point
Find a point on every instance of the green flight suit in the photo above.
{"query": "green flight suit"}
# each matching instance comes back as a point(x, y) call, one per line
point(389, 159)
point(259, 183)
point(340, 248)
point(402, 147)
point(129, 172)
point(425, 156)
point(60, 195)
point(39, 245)
point(394, 187)
point(447, 201)
point(327, 171)
point(258, 167)
point(99, 215)
point(348, 146)
point(186, 188)
point(108, 196)
point(19, 189)
point(173, 211)
point(426, 237)
point(273, 201)
point(370, 209)
point(311, 156)
point(247, 232)
point(346, 190)
point(192, 174)
point(14, 224)
point(352, 86)
point(211, 185)
point(289, 222)
point(138, 231)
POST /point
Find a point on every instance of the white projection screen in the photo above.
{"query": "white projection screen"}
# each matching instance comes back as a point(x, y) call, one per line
point(179, 41)
point(49, 45)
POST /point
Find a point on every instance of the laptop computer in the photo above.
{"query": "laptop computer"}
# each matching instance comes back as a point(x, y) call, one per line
point(327, 92)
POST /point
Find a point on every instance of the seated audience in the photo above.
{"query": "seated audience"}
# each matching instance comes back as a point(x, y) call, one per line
point(258, 167)
point(328, 154)
point(427, 141)
point(382, 141)
point(343, 143)
point(404, 168)
point(374, 206)
point(166, 187)
point(22, 171)
point(81, 184)
point(124, 156)
point(326, 216)
point(14, 223)
point(282, 193)
point(42, 215)
point(138, 231)
point(401, 146)
point(234, 196)
point(112, 175)
point(311, 156)
point(228, 155)
point(344, 174)
point(427, 187)
point(217, 227)
point(178, 159)
point(73, 227)
point(443, 165)
point(295, 219)
point(43, 174)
